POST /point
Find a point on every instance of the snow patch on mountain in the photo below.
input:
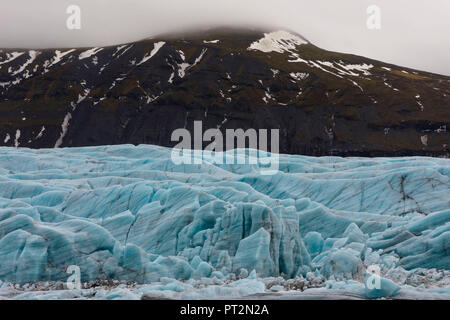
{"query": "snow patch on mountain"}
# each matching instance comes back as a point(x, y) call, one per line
point(184, 66)
point(89, 53)
point(11, 57)
point(41, 133)
point(279, 41)
point(33, 54)
point(16, 140)
point(64, 129)
point(299, 75)
point(59, 55)
point(363, 68)
point(155, 50)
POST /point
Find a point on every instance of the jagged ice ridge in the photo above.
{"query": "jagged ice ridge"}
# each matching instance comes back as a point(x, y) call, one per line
point(128, 213)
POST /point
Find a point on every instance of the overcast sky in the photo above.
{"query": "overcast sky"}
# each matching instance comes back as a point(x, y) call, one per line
point(414, 33)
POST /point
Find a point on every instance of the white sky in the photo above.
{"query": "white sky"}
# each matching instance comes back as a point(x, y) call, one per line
point(414, 33)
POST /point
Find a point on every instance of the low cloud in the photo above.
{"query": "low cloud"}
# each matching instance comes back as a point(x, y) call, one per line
point(413, 33)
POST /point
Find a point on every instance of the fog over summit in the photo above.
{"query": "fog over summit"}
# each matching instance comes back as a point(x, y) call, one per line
point(412, 32)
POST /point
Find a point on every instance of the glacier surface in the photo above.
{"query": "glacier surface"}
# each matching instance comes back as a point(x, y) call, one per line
point(129, 214)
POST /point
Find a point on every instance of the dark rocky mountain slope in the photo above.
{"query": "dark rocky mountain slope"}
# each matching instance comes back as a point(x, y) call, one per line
point(324, 103)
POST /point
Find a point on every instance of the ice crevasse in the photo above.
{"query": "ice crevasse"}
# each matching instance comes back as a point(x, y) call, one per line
point(129, 213)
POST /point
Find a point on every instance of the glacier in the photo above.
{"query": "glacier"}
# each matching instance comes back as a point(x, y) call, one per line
point(128, 215)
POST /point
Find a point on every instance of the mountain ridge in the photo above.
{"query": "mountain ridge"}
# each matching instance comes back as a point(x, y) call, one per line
point(323, 102)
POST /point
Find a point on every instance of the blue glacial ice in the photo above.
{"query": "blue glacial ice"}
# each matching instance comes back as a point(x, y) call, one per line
point(129, 213)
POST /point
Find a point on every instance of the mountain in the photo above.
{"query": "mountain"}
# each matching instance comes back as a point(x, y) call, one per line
point(324, 103)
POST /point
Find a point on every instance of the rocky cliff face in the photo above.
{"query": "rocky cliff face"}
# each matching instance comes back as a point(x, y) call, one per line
point(324, 103)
